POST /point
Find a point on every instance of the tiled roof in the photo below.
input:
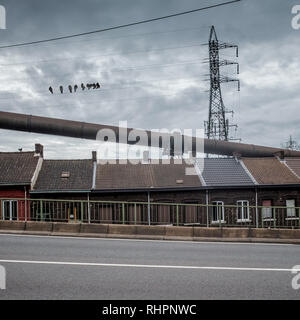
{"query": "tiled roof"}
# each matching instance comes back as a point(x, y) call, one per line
point(78, 175)
point(225, 172)
point(270, 171)
point(294, 165)
point(139, 176)
point(17, 168)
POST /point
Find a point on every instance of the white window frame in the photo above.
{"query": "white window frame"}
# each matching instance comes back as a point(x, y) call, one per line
point(10, 209)
point(290, 209)
point(244, 205)
point(266, 210)
point(217, 205)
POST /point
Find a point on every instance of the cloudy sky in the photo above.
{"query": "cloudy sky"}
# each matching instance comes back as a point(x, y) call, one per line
point(151, 75)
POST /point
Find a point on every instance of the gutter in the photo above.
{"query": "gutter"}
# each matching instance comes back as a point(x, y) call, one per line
point(59, 191)
point(197, 188)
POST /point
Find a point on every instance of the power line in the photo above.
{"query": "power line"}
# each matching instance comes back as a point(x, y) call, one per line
point(131, 35)
point(79, 93)
point(120, 26)
point(98, 102)
point(152, 66)
point(96, 56)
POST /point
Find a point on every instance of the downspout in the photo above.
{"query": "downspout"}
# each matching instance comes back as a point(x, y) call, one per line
point(89, 209)
point(149, 209)
point(94, 159)
point(207, 209)
point(256, 208)
point(25, 204)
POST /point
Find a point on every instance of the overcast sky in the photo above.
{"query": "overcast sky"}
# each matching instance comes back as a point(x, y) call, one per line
point(151, 75)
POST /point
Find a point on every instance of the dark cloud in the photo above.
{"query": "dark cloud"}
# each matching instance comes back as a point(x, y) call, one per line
point(152, 75)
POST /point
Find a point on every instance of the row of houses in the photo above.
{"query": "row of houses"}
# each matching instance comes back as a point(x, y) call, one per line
point(77, 185)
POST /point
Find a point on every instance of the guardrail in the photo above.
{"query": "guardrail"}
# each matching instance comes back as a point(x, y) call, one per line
point(143, 213)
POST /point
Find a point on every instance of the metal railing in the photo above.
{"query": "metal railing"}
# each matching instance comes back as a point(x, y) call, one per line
point(142, 213)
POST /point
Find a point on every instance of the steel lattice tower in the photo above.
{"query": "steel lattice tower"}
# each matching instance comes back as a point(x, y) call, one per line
point(217, 126)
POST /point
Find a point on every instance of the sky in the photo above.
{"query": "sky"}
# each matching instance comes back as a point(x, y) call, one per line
point(153, 75)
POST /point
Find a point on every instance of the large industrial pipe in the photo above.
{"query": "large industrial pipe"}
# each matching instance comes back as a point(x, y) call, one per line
point(83, 130)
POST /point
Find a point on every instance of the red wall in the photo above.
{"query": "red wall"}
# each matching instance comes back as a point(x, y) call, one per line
point(16, 193)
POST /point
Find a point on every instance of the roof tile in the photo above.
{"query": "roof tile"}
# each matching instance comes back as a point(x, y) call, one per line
point(225, 172)
point(270, 171)
point(51, 179)
point(17, 167)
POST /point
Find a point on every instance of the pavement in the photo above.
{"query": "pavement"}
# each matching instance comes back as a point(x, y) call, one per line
point(42, 267)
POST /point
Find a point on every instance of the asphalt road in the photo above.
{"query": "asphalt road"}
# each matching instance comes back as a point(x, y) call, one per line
point(80, 268)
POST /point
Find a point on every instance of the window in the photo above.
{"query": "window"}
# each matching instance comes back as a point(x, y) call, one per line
point(10, 210)
point(267, 212)
point(242, 210)
point(218, 211)
point(290, 208)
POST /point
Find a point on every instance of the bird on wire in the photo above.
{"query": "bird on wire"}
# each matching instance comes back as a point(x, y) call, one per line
point(82, 86)
point(61, 88)
point(70, 88)
point(51, 90)
point(75, 87)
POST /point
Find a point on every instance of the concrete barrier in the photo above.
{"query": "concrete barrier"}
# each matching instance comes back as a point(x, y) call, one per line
point(180, 231)
point(235, 233)
point(264, 233)
point(12, 225)
point(121, 229)
point(151, 230)
point(39, 226)
point(289, 233)
point(200, 232)
point(94, 228)
point(66, 227)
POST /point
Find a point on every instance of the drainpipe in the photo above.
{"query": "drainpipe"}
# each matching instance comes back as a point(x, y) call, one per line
point(256, 208)
point(89, 209)
point(207, 213)
point(25, 204)
point(149, 209)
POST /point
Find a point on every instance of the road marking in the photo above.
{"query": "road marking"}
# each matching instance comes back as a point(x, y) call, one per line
point(150, 240)
point(92, 264)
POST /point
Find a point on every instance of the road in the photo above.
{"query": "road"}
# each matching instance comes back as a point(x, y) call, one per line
point(40, 267)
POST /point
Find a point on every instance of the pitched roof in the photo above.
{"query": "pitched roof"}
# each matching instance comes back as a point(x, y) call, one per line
point(225, 172)
point(143, 176)
point(294, 165)
point(270, 171)
point(65, 175)
point(17, 168)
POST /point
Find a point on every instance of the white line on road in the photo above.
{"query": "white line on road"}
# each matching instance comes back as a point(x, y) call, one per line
point(150, 240)
point(91, 264)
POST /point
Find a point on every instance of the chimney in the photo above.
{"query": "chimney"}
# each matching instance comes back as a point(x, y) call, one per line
point(279, 154)
point(94, 156)
point(39, 150)
point(237, 156)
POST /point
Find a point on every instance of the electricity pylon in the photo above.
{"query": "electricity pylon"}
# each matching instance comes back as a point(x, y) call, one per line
point(217, 127)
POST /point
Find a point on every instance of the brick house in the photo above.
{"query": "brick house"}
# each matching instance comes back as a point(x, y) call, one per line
point(18, 173)
point(60, 180)
point(76, 190)
point(242, 182)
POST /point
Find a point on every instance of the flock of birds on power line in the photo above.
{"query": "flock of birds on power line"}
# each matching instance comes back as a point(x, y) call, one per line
point(75, 88)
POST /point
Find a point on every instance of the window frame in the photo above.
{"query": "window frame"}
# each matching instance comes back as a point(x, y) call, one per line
point(269, 208)
point(10, 215)
point(293, 208)
point(243, 209)
point(216, 206)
